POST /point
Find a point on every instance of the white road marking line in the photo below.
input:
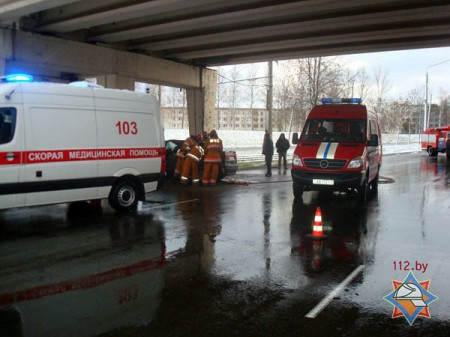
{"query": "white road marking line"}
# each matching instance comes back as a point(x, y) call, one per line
point(174, 203)
point(322, 305)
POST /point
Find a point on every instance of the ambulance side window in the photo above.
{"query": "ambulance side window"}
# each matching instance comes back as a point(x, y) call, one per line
point(7, 124)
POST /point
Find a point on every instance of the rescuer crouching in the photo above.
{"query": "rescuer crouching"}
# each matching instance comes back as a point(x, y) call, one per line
point(181, 155)
point(191, 161)
point(213, 150)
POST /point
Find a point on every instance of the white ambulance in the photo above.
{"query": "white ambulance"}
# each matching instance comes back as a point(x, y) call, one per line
point(64, 143)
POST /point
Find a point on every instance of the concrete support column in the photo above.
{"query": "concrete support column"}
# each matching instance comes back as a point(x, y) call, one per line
point(5, 50)
point(201, 103)
point(116, 82)
point(2, 66)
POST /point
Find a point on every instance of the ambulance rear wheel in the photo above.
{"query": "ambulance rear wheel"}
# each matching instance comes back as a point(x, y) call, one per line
point(124, 196)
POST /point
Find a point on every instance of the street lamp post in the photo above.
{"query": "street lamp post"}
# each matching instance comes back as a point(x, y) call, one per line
point(427, 110)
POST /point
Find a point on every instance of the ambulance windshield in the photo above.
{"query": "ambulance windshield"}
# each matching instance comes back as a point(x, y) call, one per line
point(334, 130)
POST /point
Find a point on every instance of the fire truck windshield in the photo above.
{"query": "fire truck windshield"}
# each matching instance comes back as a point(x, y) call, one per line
point(334, 130)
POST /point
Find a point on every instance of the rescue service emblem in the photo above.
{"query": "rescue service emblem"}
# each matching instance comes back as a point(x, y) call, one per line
point(411, 298)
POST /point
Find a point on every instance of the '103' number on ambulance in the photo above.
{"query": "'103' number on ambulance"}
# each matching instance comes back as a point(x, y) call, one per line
point(125, 128)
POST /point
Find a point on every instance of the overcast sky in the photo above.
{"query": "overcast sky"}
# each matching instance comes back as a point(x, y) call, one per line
point(407, 69)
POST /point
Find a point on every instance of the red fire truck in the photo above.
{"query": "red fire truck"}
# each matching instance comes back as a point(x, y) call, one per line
point(435, 140)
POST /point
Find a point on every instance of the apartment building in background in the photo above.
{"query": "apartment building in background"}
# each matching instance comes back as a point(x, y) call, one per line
point(225, 118)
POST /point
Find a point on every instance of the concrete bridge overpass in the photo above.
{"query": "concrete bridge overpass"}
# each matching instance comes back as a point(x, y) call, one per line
point(172, 42)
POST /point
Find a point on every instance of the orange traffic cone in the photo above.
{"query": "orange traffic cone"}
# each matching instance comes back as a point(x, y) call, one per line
point(317, 233)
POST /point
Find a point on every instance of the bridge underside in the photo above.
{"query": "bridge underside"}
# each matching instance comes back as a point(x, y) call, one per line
point(217, 32)
point(171, 42)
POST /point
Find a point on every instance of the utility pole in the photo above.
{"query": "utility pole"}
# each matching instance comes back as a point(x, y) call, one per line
point(427, 112)
point(425, 119)
point(270, 98)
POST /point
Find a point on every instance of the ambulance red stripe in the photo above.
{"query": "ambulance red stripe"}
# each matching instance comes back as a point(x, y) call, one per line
point(55, 156)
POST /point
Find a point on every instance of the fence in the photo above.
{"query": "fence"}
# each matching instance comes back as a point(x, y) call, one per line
point(253, 155)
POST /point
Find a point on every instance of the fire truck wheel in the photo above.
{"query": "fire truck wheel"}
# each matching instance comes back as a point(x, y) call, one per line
point(374, 182)
point(363, 192)
point(431, 152)
point(124, 196)
point(298, 190)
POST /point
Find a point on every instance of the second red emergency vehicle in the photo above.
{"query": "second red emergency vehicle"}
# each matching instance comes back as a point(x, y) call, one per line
point(339, 149)
point(435, 140)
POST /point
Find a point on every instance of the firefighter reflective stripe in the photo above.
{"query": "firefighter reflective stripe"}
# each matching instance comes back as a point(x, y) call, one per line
point(190, 155)
point(327, 150)
point(196, 153)
point(180, 154)
point(213, 150)
point(212, 160)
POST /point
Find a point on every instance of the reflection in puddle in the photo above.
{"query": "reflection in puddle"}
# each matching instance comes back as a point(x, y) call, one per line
point(87, 282)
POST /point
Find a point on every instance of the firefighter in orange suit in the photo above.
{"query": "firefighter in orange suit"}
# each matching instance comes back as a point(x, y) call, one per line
point(181, 154)
point(213, 152)
point(193, 157)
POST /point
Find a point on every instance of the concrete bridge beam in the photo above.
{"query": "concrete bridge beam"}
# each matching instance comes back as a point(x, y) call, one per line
point(54, 59)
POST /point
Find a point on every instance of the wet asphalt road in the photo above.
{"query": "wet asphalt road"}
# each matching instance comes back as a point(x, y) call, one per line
point(233, 260)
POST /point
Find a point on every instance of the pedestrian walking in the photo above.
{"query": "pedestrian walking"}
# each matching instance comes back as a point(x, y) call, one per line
point(267, 151)
point(282, 146)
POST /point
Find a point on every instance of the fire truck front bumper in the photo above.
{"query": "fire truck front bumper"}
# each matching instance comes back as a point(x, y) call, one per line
point(316, 181)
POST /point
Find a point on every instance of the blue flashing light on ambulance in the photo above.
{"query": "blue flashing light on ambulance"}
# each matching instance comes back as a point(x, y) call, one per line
point(339, 149)
point(64, 143)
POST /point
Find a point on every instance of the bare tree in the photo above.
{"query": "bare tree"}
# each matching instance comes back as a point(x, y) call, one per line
point(362, 89)
point(233, 96)
point(382, 85)
point(396, 115)
point(252, 91)
point(307, 80)
point(290, 94)
point(444, 110)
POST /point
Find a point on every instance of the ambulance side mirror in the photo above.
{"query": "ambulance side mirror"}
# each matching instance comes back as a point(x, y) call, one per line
point(373, 140)
point(295, 138)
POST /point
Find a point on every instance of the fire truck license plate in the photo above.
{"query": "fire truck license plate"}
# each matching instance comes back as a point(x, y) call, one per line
point(323, 182)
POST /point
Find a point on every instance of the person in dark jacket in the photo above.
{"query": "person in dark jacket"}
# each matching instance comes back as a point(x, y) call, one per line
point(267, 151)
point(282, 146)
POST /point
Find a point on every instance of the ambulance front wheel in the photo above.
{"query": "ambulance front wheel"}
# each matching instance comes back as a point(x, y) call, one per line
point(124, 196)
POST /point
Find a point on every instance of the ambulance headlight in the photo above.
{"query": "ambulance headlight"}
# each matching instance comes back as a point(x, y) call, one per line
point(357, 162)
point(296, 161)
